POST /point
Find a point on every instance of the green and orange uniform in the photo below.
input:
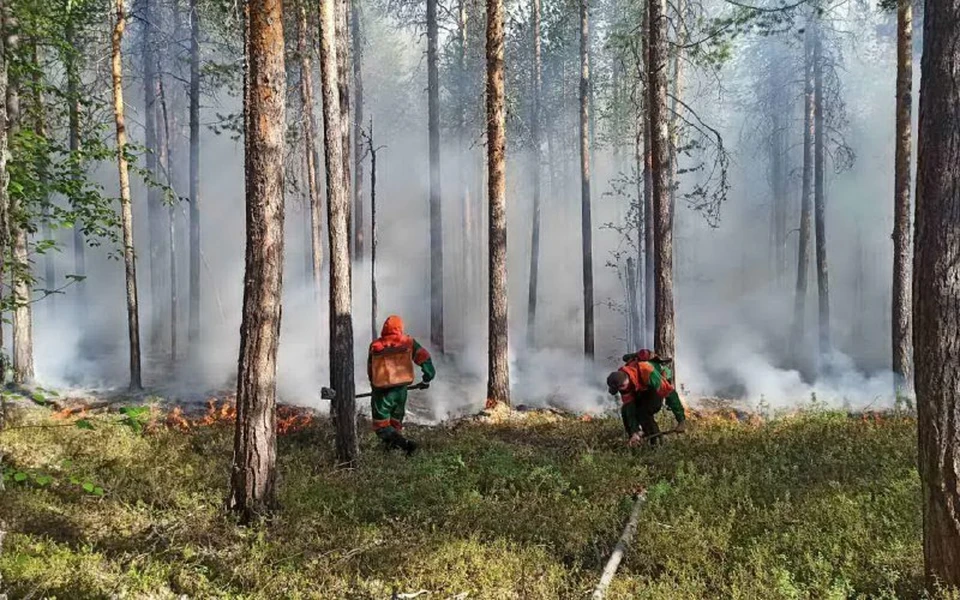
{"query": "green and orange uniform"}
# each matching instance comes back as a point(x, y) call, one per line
point(390, 369)
point(649, 387)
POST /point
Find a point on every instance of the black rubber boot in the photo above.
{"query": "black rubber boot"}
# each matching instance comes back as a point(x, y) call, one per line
point(409, 446)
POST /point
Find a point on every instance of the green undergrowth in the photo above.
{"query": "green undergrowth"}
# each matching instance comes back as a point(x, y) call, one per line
point(812, 506)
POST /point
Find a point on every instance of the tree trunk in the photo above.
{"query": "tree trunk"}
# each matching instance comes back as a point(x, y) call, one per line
point(357, 130)
point(73, 117)
point(20, 275)
point(4, 186)
point(677, 58)
point(778, 175)
point(823, 289)
point(648, 238)
point(193, 331)
point(312, 157)
point(803, 249)
point(343, 83)
point(154, 195)
point(642, 253)
point(660, 167)
point(253, 480)
point(633, 307)
point(40, 129)
point(436, 220)
point(374, 330)
point(467, 250)
point(166, 163)
point(535, 142)
point(338, 207)
point(126, 207)
point(901, 203)
point(936, 292)
point(498, 376)
point(586, 227)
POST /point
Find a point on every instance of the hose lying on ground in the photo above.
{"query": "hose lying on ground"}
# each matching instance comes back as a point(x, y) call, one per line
point(611, 569)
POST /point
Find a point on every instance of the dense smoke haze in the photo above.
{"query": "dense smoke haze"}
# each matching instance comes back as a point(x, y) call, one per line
point(733, 310)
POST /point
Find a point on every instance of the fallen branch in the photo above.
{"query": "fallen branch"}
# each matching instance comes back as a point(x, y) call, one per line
point(611, 569)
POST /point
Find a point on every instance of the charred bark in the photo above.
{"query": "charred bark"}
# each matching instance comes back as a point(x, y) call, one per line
point(253, 482)
point(338, 207)
point(936, 293)
point(535, 142)
point(498, 376)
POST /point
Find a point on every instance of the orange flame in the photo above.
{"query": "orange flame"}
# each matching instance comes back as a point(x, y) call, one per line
point(290, 419)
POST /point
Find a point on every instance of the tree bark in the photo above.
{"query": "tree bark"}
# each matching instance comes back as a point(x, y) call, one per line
point(357, 39)
point(20, 275)
point(40, 129)
point(936, 293)
point(343, 83)
point(498, 376)
point(803, 249)
point(253, 481)
point(167, 163)
point(4, 186)
point(309, 125)
point(436, 220)
point(648, 237)
point(126, 207)
point(823, 288)
point(154, 195)
point(193, 329)
point(586, 226)
point(660, 166)
point(374, 321)
point(73, 117)
point(535, 142)
point(901, 203)
point(338, 207)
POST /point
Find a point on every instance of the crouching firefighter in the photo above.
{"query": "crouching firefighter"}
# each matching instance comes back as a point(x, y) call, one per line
point(644, 383)
point(390, 369)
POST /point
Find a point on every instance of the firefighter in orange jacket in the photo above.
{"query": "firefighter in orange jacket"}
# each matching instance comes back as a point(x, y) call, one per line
point(390, 364)
point(644, 384)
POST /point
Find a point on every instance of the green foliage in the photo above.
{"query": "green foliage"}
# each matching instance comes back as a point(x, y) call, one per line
point(814, 506)
point(135, 417)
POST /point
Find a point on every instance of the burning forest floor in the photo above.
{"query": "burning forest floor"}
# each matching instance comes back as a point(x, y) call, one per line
point(519, 504)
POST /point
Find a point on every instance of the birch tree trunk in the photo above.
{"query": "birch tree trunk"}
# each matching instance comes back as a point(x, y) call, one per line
point(126, 207)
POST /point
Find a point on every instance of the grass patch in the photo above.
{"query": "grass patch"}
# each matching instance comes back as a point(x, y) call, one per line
point(814, 506)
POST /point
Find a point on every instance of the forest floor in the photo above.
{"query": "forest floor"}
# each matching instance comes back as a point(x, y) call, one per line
point(817, 504)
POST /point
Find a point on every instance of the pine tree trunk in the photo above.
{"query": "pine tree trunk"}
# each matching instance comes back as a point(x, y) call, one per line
point(343, 83)
point(338, 207)
point(154, 195)
point(253, 482)
point(4, 187)
point(167, 163)
point(436, 220)
point(586, 226)
point(20, 275)
point(648, 238)
point(640, 167)
point(73, 117)
point(193, 330)
point(677, 92)
point(535, 142)
point(936, 293)
point(357, 130)
point(660, 167)
point(126, 207)
point(498, 376)
point(468, 287)
point(803, 249)
point(312, 157)
point(901, 203)
point(374, 330)
point(823, 289)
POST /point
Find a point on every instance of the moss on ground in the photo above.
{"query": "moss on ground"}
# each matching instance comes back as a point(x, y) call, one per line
point(817, 505)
